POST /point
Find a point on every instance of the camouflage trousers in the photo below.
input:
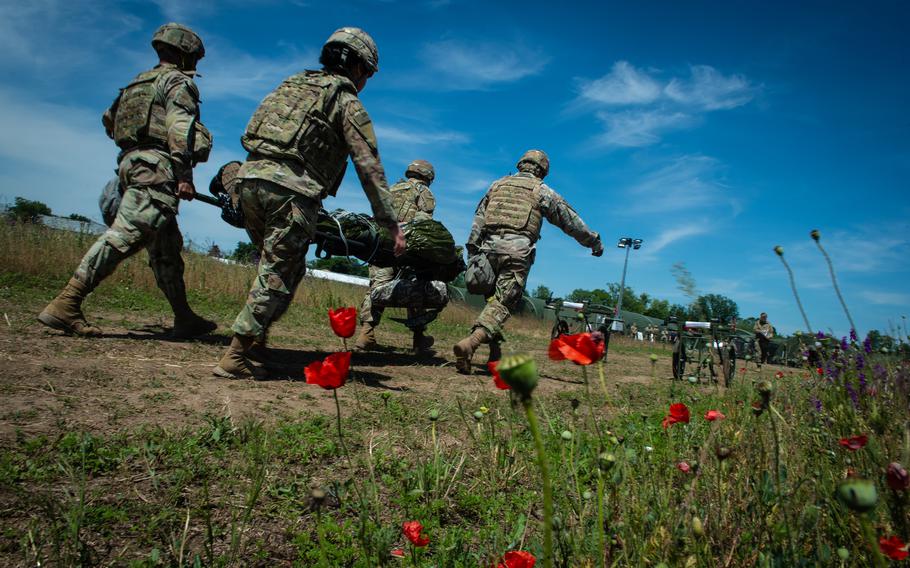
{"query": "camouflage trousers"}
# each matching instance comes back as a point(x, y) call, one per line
point(511, 257)
point(397, 288)
point(146, 218)
point(281, 223)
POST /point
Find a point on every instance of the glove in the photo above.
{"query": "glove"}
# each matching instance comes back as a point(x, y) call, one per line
point(597, 249)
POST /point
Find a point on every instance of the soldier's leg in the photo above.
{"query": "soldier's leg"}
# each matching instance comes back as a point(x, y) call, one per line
point(371, 315)
point(138, 219)
point(166, 262)
point(510, 285)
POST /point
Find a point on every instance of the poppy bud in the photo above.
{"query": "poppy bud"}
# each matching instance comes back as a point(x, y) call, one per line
point(434, 415)
point(478, 415)
point(758, 408)
point(859, 495)
point(587, 495)
point(520, 373)
point(566, 435)
point(764, 388)
point(779, 250)
point(653, 358)
point(722, 452)
point(317, 498)
point(815, 235)
point(897, 477)
point(843, 553)
point(605, 461)
point(698, 529)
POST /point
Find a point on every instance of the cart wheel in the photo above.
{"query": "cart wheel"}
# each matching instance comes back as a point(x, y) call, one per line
point(679, 360)
point(561, 327)
point(728, 364)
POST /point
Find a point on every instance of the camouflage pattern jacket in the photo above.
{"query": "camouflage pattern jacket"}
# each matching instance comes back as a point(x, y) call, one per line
point(412, 199)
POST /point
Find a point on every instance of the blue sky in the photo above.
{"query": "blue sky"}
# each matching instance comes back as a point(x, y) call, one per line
point(713, 131)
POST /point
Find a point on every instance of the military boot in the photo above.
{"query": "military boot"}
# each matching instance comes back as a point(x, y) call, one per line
point(495, 351)
point(367, 338)
point(421, 343)
point(65, 312)
point(464, 349)
point(236, 363)
point(191, 325)
point(259, 352)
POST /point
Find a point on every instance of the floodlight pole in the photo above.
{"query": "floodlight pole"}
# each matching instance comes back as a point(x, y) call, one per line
point(627, 243)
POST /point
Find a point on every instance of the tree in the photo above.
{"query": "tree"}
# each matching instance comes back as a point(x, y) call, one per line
point(715, 306)
point(80, 218)
point(678, 311)
point(214, 251)
point(542, 293)
point(596, 296)
point(246, 253)
point(28, 211)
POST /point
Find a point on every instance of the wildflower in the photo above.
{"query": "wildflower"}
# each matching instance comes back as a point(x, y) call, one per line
point(581, 348)
point(819, 371)
point(742, 370)
point(894, 548)
point(859, 495)
point(497, 379)
point(520, 373)
point(867, 345)
point(843, 344)
point(852, 334)
point(817, 403)
point(779, 374)
point(897, 477)
point(854, 398)
point(860, 361)
point(679, 412)
point(649, 449)
point(854, 443)
point(517, 559)
point(683, 467)
point(397, 553)
point(343, 321)
point(330, 373)
point(413, 530)
point(713, 415)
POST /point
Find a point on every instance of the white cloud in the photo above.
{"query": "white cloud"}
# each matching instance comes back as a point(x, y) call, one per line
point(394, 134)
point(460, 65)
point(688, 183)
point(671, 235)
point(230, 73)
point(886, 298)
point(637, 107)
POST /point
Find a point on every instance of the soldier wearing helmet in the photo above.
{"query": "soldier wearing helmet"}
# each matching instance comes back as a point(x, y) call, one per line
point(299, 140)
point(411, 200)
point(155, 123)
point(506, 228)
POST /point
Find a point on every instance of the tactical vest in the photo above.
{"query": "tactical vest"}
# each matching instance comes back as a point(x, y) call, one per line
point(405, 194)
point(141, 116)
point(292, 123)
point(514, 205)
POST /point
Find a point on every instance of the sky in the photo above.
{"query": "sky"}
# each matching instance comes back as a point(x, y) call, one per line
point(711, 130)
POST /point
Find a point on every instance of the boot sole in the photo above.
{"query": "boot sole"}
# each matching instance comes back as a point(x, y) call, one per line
point(219, 372)
point(462, 361)
point(54, 322)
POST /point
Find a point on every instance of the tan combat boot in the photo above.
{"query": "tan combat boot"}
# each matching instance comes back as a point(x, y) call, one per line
point(236, 363)
point(495, 351)
point(188, 325)
point(464, 349)
point(65, 312)
point(367, 338)
point(421, 343)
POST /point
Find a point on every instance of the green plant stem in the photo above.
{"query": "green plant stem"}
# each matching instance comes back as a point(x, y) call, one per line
point(877, 559)
point(778, 483)
point(602, 553)
point(836, 287)
point(603, 380)
point(799, 304)
point(528, 404)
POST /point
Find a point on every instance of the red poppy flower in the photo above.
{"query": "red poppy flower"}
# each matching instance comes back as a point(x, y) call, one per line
point(331, 372)
point(517, 559)
point(684, 467)
point(713, 415)
point(894, 548)
point(742, 369)
point(343, 321)
point(581, 348)
point(679, 412)
point(819, 371)
point(779, 374)
point(397, 553)
point(854, 443)
point(413, 530)
point(497, 380)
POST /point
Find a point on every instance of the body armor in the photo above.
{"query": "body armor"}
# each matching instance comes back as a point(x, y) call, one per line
point(405, 194)
point(141, 117)
point(514, 206)
point(292, 123)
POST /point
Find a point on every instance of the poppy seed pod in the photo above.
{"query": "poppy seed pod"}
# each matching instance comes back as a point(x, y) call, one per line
point(606, 461)
point(434, 415)
point(815, 235)
point(698, 529)
point(897, 477)
point(520, 373)
point(858, 495)
point(566, 435)
point(722, 452)
point(779, 250)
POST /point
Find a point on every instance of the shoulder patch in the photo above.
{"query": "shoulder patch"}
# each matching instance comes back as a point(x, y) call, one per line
point(361, 121)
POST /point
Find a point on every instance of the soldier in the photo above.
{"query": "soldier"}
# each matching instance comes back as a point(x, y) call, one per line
point(506, 227)
point(298, 142)
point(633, 331)
point(764, 331)
point(155, 122)
point(411, 200)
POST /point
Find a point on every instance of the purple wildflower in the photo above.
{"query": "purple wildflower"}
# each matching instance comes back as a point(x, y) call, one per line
point(852, 335)
point(817, 403)
point(843, 344)
point(867, 345)
point(860, 361)
point(820, 335)
point(862, 381)
point(852, 392)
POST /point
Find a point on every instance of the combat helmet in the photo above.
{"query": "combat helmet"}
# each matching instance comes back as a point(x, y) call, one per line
point(538, 158)
point(180, 37)
point(359, 42)
point(422, 169)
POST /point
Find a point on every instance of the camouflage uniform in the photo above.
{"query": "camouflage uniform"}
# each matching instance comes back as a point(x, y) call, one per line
point(155, 122)
point(411, 200)
point(506, 227)
point(297, 158)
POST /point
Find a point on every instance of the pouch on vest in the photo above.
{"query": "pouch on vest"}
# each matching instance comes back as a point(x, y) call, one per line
point(479, 277)
point(109, 202)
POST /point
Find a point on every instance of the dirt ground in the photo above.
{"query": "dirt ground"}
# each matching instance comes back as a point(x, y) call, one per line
point(136, 376)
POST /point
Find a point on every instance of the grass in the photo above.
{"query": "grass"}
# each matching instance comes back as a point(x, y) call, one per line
point(759, 491)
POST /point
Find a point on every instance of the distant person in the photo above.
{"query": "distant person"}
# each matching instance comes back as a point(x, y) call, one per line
point(299, 140)
point(411, 200)
point(155, 122)
point(633, 331)
point(764, 331)
point(506, 227)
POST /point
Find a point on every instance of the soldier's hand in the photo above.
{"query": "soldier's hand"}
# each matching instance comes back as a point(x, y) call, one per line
point(597, 249)
point(186, 190)
point(398, 238)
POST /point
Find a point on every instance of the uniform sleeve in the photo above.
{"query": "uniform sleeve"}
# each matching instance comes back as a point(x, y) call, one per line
point(426, 202)
point(480, 214)
point(107, 119)
point(561, 214)
point(361, 140)
point(182, 105)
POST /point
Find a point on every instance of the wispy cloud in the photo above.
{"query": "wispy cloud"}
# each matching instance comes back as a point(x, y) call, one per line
point(231, 73)
point(886, 298)
point(671, 235)
point(394, 134)
point(462, 65)
point(687, 183)
point(637, 106)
